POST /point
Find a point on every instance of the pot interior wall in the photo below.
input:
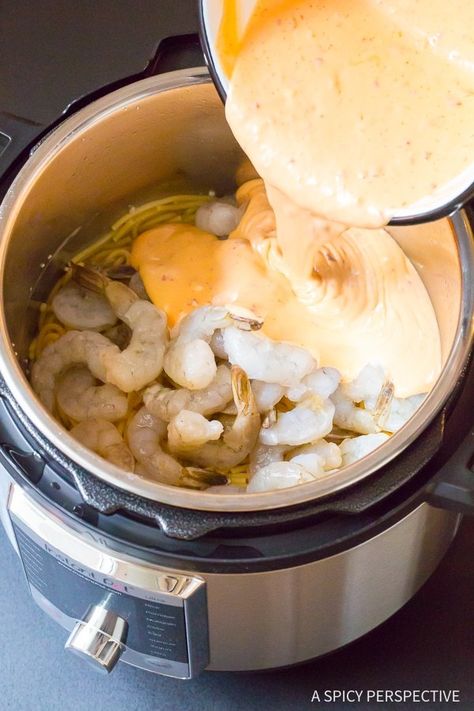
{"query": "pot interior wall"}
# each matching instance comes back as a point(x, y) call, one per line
point(178, 136)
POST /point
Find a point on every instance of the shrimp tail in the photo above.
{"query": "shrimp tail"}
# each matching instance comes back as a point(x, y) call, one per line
point(245, 323)
point(89, 278)
point(242, 390)
point(196, 478)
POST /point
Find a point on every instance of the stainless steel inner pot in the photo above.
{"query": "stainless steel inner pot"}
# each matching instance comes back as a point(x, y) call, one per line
point(172, 128)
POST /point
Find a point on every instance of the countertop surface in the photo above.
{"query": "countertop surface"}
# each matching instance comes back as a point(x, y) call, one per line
point(51, 52)
point(429, 644)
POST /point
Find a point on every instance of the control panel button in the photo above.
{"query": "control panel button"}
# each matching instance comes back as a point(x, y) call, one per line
point(99, 638)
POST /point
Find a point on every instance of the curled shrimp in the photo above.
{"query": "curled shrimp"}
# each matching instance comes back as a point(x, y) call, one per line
point(80, 398)
point(103, 438)
point(189, 359)
point(189, 430)
point(145, 433)
point(267, 395)
point(217, 344)
point(267, 360)
point(264, 454)
point(357, 447)
point(82, 309)
point(136, 284)
point(166, 403)
point(237, 440)
point(310, 420)
point(328, 454)
point(322, 382)
point(363, 404)
point(278, 475)
point(401, 410)
point(142, 360)
point(87, 348)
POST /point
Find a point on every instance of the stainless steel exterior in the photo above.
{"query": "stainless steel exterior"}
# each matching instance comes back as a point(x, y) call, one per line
point(166, 128)
point(279, 617)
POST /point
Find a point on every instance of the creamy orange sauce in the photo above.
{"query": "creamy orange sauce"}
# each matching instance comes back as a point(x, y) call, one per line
point(355, 109)
point(349, 111)
point(363, 301)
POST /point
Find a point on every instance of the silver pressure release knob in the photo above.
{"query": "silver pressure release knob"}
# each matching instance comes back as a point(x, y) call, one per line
point(99, 638)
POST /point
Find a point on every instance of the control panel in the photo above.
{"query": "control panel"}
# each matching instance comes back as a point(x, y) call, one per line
point(115, 607)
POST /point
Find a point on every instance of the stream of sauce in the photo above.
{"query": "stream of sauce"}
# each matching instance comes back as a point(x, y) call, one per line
point(364, 301)
point(348, 110)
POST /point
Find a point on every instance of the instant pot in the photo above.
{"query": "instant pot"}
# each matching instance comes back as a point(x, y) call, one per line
point(176, 581)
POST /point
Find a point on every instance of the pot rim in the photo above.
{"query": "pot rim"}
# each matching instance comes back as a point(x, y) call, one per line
point(23, 394)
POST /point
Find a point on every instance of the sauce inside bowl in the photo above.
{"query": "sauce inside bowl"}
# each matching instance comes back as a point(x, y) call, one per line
point(355, 110)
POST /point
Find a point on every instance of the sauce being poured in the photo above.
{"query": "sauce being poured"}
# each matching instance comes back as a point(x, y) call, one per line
point(348, 111)
point(364, 301)
point(354, 110)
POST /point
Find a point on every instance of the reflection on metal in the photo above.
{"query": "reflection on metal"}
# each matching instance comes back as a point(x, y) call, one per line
point(268, 619)
point(161, 603)
point(100, 638)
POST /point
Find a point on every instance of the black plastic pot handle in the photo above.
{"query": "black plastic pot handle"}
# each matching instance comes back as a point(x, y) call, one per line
point(16, 134)
point(453, 486)
point(178, 52)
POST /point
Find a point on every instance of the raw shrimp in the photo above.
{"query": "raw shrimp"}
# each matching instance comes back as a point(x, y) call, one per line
point(358, 447)
point(376, 392)
point(82, 309)
point(308, 421)
point(189, 360)
point(142, 360)
point(401, 410)
point(80, 398)
point(136, 284)
point(264, 454)
point(371, 389)
point(217, 344)
point(144, 435)
point(267, 360)
point(238, 440)
point(322, 382)
point(105, 440)
point(190, 430)
point(367, 386)
point(218, 217)
point(350, 417)
point(120, 334)
point(267, 394)
point(166, 403)
point(73, 348)
point(328, 453)
point(310, 461)
point(278, 475)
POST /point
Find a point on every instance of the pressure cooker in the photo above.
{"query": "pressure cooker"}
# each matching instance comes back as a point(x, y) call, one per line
point(176, 581)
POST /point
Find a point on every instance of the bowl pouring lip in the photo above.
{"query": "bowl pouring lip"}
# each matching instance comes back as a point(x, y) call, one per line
point(64, 447)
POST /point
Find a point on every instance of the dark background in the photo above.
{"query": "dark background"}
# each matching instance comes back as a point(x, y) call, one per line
point(51, 52)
